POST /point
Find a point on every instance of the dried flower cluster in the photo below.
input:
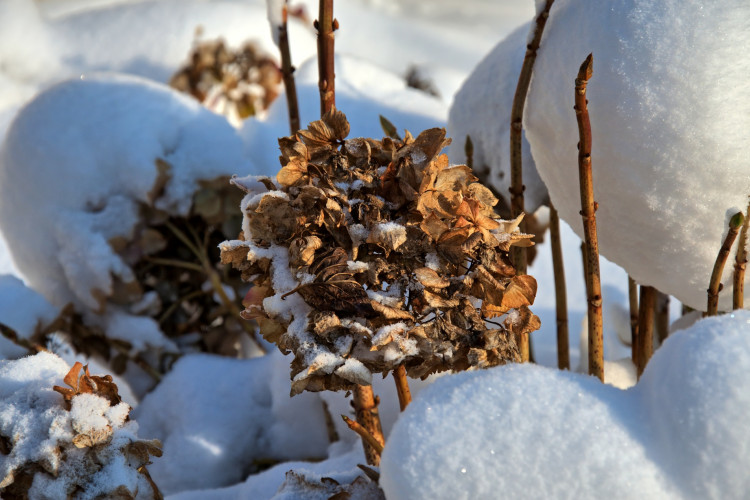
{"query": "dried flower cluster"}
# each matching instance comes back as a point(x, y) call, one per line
point(86, 449)
point(366, 255)
point(238, 83)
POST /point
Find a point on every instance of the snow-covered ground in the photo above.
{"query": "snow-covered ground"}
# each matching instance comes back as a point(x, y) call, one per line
point(79, 159)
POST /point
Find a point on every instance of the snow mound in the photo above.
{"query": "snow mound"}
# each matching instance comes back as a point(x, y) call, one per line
point(533, 432)
point(481, 109)
point(88, 450)
point(218, 418)
point(670, 113)
point(79, 160)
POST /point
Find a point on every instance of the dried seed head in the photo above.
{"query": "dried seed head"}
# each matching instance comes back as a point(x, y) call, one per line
point(367, 255)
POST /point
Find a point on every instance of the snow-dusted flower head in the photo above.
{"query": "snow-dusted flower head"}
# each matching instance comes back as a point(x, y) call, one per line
point(367, 255)
point(81, 444)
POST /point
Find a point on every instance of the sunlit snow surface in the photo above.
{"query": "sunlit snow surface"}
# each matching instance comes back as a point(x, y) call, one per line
point(219, 418)
point(533, 432)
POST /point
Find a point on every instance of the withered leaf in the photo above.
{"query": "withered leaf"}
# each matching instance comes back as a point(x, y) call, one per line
point(521, 291)
point(430, 278)
point(88, 384)
point(389, 312)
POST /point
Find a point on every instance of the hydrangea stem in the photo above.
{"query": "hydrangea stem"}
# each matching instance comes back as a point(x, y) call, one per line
point(643, 344)
point(516, 167)
point(588, 212)
point(714, 287)
point(402, 387)
point(326, 25)
point(287, 74)
point(561, 298)
point(366, 436)
point(366, 410)
point(740, 263)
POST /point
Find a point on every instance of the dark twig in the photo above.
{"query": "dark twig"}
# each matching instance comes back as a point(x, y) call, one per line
point(10, 334)
point(287, 74)
point(588, 212)
point(516, 130)
point(402, 387)
point(326, 25)
point(740, 263)
point(661, 321)
point(469, 151)
point(633, 299)
point(561, 298)
point(714, 287)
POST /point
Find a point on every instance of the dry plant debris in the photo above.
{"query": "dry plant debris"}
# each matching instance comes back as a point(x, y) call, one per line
point(299, 484)
point(367, 255)
point(238, 82)
point(89, 450)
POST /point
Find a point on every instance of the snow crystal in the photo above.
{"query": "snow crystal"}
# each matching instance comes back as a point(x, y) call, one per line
point(357, 267)
point(664, 196)
point(355, 371)
point(674, 435)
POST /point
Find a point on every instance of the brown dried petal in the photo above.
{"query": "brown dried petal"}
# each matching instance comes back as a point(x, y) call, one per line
point(431, 279)
point(521, 291)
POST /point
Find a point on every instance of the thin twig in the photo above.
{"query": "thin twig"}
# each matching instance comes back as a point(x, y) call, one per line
point(740, 264)
point(715, 286)
point(365, 435)
point(661, 322)
point(326, 25)
point(10, 334)
point(516, 129)
point(633, 299)
point(402, 387)
point(366, 410)
point(287, 73)
point(588, 212)
point(561, 298)
point(469, 151)
point(138, 360)
point(644, 345)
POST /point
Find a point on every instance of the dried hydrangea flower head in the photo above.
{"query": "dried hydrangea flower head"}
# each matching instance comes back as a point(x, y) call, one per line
point(367, 255)
point(238, 83)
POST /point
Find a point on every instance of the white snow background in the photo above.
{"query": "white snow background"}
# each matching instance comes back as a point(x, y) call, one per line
point(670, 104)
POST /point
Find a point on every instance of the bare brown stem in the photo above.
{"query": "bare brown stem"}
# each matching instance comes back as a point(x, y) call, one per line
point(661, 323)
point(402, 387)
point(588, 212)
point(644, 346)
point(740, 263)
point(633, 299)
point(366, 436)
point(287, 74)
point(366, 410)
point(516, 130)
point(561, 298)
point(326, 25)
point(469, 151)
point(10, 334)
point(714, 287)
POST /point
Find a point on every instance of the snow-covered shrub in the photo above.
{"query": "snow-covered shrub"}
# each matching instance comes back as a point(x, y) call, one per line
point(669, 112)
point(76, 442)
point(367, 255)
point(113, 196)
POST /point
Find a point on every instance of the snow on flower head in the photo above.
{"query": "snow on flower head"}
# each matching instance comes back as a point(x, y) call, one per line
point(400, 247)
